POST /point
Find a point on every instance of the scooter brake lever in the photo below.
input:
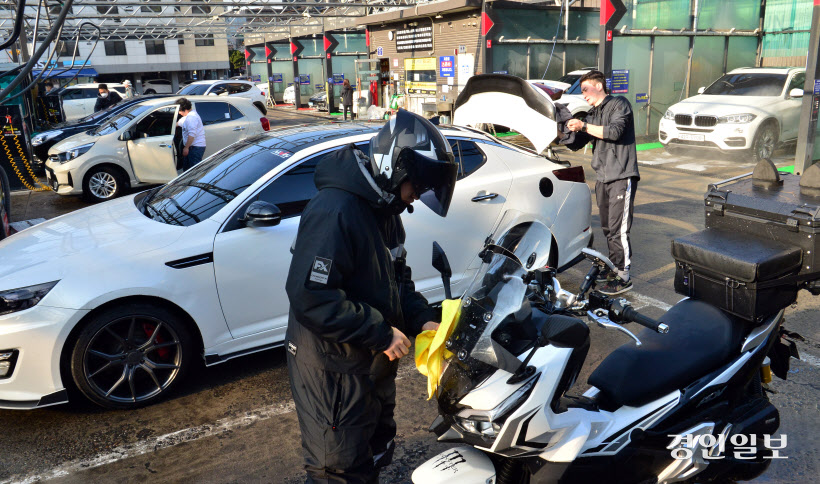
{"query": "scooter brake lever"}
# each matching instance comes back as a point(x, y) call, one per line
point(600, 317)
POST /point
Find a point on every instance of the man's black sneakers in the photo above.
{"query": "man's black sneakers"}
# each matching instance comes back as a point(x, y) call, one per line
point(604, 277)
point(616, 286)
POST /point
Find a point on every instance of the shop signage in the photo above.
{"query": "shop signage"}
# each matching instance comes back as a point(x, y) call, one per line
point(319, 86)
point(276, 77)
point(379, 51)
point(395, 63)
point(462, 49)
point(641, 97)
point(257, 78)
point(620, 81)
point(417, 38)
point(446, 66)
point(338, 78)
point(421, 75)
point(304, 79)
point(817, 87)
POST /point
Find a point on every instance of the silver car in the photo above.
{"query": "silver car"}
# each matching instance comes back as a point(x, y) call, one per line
point(138, 148)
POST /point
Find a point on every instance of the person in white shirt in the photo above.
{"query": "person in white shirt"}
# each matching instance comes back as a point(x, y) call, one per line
point(193, 134)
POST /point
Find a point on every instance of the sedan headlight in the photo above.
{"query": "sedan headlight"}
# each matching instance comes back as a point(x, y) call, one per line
point(669, 115)
point(737, 118)
point(23, 298)
point(45, 136)
point(76, 152)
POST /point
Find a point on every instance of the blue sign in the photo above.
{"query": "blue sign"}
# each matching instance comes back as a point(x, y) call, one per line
point(319, 86)
point(620, 81)
point(641, 97)
point(500, 72)
point(447, 66)
point(609, 84)
point(304, 79)
point(257, 78)
point(276, 77)
point(379, 51)
point(338, 78)
point(817, 87)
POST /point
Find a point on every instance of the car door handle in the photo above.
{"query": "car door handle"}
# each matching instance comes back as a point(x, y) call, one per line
point(238, 128)
point(488, 196)
point(163, 145)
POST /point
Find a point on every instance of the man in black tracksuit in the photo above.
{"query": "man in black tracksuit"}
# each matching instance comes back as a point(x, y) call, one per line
point(352, 301)
point(610, 127)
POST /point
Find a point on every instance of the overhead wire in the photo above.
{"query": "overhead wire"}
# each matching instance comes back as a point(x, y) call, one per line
point(554, 41)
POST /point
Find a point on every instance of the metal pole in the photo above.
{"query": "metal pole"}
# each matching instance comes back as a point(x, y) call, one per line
point(806, 153)
point(566, 36)
point(649, 91)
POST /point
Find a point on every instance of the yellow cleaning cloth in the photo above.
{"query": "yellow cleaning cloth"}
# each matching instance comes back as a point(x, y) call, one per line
point(430, 350)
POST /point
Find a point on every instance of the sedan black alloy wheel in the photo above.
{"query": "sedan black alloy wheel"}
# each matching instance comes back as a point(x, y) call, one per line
point(130, 360)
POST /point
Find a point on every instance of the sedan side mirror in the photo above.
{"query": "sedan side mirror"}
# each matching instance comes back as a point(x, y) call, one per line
point(701, 89)
point(442, 265)
point(262, 214)
point(127, 136)
point(796, 93)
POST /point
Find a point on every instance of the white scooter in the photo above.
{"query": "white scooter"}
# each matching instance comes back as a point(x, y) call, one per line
point(680, 401)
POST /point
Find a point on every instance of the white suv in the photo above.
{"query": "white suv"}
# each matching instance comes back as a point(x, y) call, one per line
point(141, 145)
point(157, 86)
point(78, 100)
point(232, 88)
point(747, 110)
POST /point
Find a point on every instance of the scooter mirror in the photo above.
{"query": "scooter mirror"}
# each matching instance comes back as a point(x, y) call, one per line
point(442, 265)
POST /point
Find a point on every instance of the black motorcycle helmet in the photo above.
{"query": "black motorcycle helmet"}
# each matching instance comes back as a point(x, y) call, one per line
point(409, 147)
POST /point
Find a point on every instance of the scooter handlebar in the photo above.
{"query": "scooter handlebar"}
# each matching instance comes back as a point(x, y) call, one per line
point(630, 315)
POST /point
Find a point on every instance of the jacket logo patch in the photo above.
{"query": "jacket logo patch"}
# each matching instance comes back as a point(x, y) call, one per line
point(320, 270)
point(291, 348)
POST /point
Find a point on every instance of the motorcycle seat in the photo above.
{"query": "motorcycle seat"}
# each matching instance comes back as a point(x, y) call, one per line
point(701, 338)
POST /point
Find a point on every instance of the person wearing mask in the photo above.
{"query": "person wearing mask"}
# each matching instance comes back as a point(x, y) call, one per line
point(610, 126)
point(353, 304)
point(129, 90)
point(193, 134)
point(106, 98)
point(347, 99)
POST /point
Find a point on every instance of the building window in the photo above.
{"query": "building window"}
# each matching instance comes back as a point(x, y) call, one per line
point(155, 47)
point(180, 39)
point(112, 10)
point(204, 10)
point(67, 48)
point(203, 40)
point(115, 47)
point(151, 9)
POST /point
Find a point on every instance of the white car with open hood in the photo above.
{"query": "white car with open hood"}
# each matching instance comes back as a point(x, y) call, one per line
point(186, 270)
point(748, 110)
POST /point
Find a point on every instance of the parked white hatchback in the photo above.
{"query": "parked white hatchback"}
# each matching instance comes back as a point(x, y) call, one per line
point(78, 100)
point(157, 86)
point(196, 268)
point(749, 110)
point(137, 147)
point(236, 88)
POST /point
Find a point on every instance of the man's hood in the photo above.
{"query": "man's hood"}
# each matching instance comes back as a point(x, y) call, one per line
point(342, 170)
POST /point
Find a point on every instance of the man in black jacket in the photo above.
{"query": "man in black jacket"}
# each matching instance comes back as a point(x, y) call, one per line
point(610, 127)
point(106, 98)
point(353, 304)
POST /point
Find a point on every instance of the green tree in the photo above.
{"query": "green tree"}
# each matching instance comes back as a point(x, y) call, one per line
point(237, 60)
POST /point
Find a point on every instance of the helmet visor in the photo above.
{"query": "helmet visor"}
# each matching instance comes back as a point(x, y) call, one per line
point(432, 180)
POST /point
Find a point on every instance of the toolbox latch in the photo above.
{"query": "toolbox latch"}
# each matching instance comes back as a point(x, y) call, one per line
point(793, 224)
point(714, 207)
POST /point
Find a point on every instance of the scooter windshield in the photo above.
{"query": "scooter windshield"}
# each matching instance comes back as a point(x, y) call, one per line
point(497, 295)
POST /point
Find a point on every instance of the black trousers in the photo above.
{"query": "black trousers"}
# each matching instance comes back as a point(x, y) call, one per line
point(349, 107)
point(616, 202)
point(345, 420)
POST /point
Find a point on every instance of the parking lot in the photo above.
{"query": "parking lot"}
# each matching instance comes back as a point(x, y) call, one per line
point(235, 422)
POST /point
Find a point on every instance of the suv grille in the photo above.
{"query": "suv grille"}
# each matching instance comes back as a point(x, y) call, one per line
point(705, 121)
point(683, 119)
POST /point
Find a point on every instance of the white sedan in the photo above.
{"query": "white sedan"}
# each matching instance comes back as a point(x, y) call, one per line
point(118, 299)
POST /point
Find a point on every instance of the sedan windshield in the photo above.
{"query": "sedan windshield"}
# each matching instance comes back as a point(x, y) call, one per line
point(203, 190)
point(194, 90)
point(120, 120)
point(748, 84)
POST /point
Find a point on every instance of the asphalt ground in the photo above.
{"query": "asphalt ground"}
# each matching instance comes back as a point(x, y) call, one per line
point(235, 422)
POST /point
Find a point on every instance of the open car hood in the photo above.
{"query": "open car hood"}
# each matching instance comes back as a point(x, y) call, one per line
point(508, 101)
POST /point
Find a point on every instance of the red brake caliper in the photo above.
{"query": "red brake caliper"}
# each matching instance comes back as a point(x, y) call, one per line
point(149, 330)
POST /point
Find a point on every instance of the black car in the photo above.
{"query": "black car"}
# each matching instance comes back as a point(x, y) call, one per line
point(43, 141)
point(319, 101)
